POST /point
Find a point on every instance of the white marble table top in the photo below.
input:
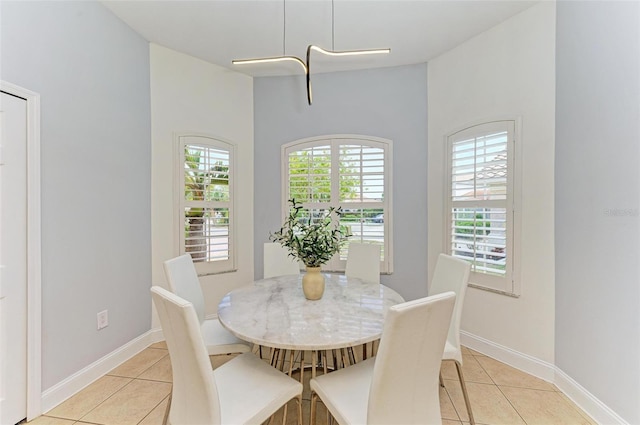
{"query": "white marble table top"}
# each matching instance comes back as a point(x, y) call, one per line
point(274, 313)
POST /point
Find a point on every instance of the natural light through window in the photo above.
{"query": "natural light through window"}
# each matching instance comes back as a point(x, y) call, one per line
point(351, 173)
point(480, 202)
point(206, 221)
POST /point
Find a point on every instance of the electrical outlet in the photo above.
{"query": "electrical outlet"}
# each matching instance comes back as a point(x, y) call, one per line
point(103, 319)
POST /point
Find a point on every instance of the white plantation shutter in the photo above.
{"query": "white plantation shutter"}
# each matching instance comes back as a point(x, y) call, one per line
point(361, 194)
point(361, 173)
point(480, 202)
point(310, 174)
point(205, 185)
point(479, 167)
point(348, 172)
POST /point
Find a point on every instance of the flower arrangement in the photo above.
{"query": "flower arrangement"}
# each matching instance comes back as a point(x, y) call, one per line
point(312, 241)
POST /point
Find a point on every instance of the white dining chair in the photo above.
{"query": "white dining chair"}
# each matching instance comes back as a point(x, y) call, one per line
point(245, 390)
point(363, 262)
point(400, 384)
point(452, 274)
point(278, 262)
point(183, 281)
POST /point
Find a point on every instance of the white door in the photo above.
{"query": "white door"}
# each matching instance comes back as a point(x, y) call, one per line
point(13, 259)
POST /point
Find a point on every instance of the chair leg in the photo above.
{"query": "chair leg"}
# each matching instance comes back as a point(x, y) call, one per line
point(467, 402)
point(284, 414)
point(314, 401)
point(299, 399)
point(292, 354)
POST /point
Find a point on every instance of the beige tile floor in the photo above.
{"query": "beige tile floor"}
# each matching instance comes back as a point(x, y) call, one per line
point(137, 392)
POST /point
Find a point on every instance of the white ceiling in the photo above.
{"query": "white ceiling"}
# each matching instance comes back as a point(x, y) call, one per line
point(218, 31)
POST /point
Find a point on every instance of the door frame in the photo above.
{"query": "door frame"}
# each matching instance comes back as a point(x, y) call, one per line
point(34, 259)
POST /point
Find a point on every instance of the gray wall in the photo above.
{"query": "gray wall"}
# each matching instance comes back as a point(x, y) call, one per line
point(597, 200)
point(92, 73)
point(390, 103)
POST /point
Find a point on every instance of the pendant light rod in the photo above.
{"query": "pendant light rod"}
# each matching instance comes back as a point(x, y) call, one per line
point(306, 66)
point(333, 27)
point(334, 52)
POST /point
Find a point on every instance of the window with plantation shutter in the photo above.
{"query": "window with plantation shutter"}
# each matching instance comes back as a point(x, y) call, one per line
point(206, 219)
point(350, 172)
point(480, 199)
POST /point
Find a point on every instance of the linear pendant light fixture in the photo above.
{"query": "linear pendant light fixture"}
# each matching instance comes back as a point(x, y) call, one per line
point(270, 60)
point(306, 66)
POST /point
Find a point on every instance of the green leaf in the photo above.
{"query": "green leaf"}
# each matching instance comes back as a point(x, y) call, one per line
point(312, 243)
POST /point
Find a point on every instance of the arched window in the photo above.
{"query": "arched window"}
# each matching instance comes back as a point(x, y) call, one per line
point(481, 202)
point(352, 172)
point(205, 190)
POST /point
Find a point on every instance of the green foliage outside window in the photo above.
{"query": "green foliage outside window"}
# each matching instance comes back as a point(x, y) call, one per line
point(310, 178)
point(470, 226)
point(202, 185)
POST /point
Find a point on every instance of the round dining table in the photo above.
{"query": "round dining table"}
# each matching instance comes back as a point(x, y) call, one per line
point(275, 313)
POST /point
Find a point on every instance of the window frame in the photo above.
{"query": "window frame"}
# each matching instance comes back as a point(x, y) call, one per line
point(206, 141)
point(509, 284)
point(334, 141)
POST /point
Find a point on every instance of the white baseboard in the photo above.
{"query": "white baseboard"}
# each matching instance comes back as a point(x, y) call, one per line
point(590, 404)
point(155, 335)
point(524, 362)
point(68, 387)
point(600, 412)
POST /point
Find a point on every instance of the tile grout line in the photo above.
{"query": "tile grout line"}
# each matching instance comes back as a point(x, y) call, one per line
point(127, 384)
point(554, 390)
point(501, 392)
point(510, 403)
point(96, 406)
point(575, 407)
point(103, 401)
point(528, 388)
point(154, 380)
point(446, 391)
point(154, 407)
point(485, 370)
